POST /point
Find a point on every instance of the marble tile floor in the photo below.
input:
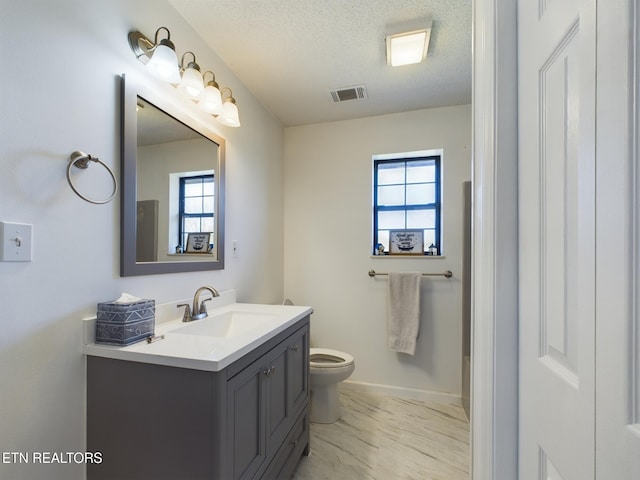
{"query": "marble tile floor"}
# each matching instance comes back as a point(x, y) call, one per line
point(384, 438)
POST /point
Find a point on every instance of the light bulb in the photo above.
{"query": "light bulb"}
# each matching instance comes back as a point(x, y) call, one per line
point(229, 116)
point(210, 100)
point(164, 62)
point(191, 84)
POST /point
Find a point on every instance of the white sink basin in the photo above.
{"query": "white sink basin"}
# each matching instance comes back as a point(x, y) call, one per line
point(226, 325)
point(229, 331)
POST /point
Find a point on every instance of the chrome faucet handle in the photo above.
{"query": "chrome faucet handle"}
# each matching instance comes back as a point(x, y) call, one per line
point(203, 307)
point(187, 312)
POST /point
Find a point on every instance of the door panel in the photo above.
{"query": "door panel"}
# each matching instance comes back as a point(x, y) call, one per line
point(557, 238)
point(618, 240)
point(558, 190)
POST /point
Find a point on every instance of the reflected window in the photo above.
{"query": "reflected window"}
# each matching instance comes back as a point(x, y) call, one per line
point(196, 211)
point(407, 197)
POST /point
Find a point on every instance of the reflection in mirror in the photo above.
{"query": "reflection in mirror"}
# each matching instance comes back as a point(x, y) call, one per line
point(173, 184)
point(174, 198)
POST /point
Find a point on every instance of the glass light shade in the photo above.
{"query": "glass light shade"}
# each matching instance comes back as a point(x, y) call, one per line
point(405, 49)
point(229, 116)
point(191, 84)
point(164, 64)
point(210, 100)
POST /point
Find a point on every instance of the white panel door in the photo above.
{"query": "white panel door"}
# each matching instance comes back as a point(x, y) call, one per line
point(556, 80)
point(618, 242)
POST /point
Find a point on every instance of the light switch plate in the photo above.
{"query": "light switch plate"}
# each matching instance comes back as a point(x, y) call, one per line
point(17, 242)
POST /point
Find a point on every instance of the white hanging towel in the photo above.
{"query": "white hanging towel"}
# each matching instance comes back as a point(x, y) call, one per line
point(404, 311)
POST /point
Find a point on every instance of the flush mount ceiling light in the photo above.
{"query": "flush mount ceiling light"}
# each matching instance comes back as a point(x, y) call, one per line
point(162, 62)
point(409, 47)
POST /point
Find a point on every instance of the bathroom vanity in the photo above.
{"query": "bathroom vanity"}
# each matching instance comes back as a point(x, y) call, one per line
point(201, 405)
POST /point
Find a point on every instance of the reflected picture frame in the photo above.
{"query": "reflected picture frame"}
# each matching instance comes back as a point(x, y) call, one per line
point(198, 242)
point(406, 242)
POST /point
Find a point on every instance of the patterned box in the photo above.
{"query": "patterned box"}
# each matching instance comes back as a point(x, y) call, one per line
point(125, 323)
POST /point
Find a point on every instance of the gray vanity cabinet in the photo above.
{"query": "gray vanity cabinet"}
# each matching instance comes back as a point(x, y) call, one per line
point(264, 400)
point(250, 420)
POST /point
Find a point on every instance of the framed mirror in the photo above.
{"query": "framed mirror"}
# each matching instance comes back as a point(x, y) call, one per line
point(172, 210)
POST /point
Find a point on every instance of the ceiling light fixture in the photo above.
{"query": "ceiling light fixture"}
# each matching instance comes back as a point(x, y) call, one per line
point(162, 61)
point(407, 48)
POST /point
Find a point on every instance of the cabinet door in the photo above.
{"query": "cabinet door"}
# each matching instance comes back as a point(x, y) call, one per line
point(262, 400)
point(246, 447)
point(287, 385)
point(277, 406)
point(299, 369)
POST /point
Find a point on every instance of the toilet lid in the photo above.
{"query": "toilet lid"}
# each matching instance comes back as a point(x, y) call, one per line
point(327, 358)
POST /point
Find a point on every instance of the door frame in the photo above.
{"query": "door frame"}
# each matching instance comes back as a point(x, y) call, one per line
point(494, 384)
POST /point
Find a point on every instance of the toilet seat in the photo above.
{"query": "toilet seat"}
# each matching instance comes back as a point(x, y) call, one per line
point(327, 358)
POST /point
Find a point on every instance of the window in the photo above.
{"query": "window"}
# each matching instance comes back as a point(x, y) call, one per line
point(196, 206)
point(406, 195)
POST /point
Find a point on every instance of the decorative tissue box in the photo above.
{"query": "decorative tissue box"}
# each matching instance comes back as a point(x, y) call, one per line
point(125, 323)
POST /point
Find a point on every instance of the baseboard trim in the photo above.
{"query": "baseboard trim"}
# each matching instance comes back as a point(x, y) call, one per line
point(402, 392)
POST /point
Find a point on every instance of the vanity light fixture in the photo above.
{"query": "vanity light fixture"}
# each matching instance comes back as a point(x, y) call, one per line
point(161, 60)
point(191, 84)
point(211, 100)
point(159, 57)
point(408, 47)
point(229, 116)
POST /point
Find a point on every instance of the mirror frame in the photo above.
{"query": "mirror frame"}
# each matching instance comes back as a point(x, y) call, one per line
point(128, 210)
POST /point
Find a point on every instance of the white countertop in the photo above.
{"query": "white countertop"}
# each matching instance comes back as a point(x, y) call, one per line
point(190, 348)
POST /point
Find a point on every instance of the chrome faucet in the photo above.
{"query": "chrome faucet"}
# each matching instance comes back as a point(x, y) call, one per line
point(198, 310)
point(199, 306)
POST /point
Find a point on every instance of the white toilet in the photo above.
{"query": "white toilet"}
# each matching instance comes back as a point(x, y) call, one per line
point(327, 368)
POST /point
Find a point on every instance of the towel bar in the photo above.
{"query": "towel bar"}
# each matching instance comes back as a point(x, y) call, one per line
point(446, 274)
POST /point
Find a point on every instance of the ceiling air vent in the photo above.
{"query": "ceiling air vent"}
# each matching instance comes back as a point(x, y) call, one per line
point(357, 92)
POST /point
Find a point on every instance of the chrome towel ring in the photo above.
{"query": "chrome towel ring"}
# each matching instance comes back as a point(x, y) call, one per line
point(81, 160)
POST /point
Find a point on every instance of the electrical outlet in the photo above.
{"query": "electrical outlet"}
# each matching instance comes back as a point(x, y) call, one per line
point(16, 242)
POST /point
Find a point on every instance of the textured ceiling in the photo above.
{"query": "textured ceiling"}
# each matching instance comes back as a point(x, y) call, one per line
point(291, 53)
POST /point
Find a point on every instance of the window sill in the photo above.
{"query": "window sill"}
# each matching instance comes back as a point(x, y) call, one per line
point(411, 257)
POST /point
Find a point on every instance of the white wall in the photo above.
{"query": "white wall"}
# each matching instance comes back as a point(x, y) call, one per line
point(59, 93)
point(328, 229)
